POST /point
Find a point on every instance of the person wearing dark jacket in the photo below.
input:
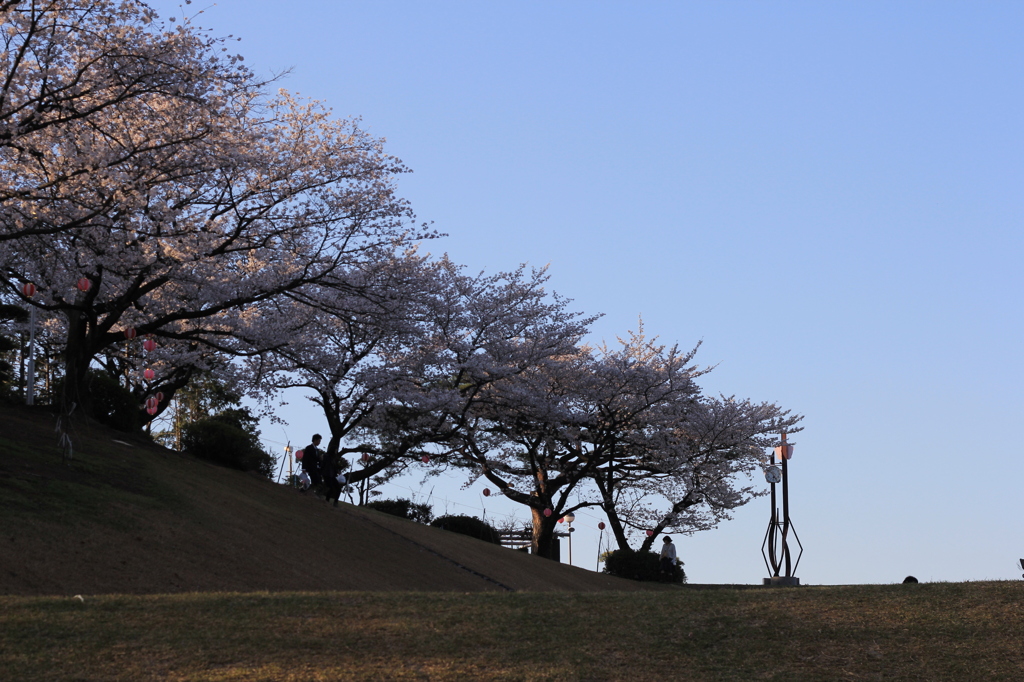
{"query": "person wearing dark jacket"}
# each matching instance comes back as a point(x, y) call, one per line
point(312, 460)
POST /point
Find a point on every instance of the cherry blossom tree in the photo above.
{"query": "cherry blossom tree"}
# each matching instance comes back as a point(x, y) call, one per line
point(227, 199)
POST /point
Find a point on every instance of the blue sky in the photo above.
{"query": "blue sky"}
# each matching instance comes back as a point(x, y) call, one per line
point(827, 195)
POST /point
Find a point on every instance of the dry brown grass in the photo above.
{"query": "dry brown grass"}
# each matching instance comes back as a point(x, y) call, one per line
point(920, 632)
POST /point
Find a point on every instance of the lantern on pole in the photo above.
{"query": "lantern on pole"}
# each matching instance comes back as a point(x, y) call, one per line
point(569, 518)
point(775, 548)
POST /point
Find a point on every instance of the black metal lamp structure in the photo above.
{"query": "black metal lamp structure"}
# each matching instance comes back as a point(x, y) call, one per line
point(775, 548)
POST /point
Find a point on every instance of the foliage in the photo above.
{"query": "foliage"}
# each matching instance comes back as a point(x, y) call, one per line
point(644, 566)
point(8, 313)
point(229, 438)
point(468, 525)
point(406, 509)
point(111, 403)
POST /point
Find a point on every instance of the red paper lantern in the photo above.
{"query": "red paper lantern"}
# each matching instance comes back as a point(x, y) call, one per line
point(149, 344)
point(366, 457)
point(426, 459)
point(28, 289)
point(84, 284)
point(149, 374)
point(151, 410)
point(600, 525)
point(159, 396)
point(487, 492)
point(151, 403)
point(130, 333)
point(547, 512)
point(298, 455)
point(650, 533)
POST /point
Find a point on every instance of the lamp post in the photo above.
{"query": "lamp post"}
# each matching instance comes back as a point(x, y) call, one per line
point(569, 518)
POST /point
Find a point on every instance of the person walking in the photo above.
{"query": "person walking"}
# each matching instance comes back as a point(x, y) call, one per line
point(312, 460)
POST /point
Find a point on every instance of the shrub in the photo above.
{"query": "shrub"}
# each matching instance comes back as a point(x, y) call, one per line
point(421, 513)
point(640, 566)
point(111, 403)
point(224, 439)
point(468, 525)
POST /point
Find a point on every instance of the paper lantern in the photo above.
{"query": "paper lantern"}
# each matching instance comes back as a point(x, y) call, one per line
point(159, 396)
point(366, 457)
point(298, 455)
point(84, 284)
point(600, 525)
point(561, 520)
point(149, 374)
point(28, 289)
point(151, 403)
point(426, 459)
point(149, 344)
point(487, 492)
point(547, 512)
point(130, 333)
point(151, 410)
point(650, 533)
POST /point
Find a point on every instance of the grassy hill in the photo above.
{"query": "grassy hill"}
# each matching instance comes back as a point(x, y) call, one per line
point(131, 517)
point(136, 563)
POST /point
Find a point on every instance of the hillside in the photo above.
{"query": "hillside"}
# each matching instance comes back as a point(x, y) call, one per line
point(131, 517)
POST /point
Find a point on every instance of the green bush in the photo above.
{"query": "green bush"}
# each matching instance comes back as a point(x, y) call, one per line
point(225, 439)
point(644, 566)
point(403, 508)
point(468, 525)
point(111, 403)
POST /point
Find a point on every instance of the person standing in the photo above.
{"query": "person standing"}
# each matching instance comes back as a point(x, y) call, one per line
point(668, 558)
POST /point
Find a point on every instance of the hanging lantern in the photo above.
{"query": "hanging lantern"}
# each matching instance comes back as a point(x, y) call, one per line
point(487, 492)
point(149, 344)
point(298, 455)
point(425, 459)
point(650, 533)
point(159, 396)
point(130, 333)
point(547, 512)
point(366, 457)
point(151, 403)
point(84, 284)
point(151, 410)
point(600, 525)
point(561, 520)
point(149, 374)
point(28, 289)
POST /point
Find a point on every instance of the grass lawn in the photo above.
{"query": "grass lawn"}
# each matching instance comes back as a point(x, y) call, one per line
point(943, 631)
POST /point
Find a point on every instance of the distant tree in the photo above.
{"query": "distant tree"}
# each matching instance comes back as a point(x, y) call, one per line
point(8, 344)
point(406, 509)
point(230, 438)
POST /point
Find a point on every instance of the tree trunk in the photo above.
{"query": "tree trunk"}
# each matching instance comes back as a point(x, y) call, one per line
point(543, 533)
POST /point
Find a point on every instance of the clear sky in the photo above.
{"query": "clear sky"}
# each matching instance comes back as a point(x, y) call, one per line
point(828, 195)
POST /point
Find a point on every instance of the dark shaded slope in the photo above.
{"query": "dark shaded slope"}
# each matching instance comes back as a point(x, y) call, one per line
point(130, 517)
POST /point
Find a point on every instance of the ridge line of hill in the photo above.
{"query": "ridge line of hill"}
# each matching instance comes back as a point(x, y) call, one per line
point(428, 549)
